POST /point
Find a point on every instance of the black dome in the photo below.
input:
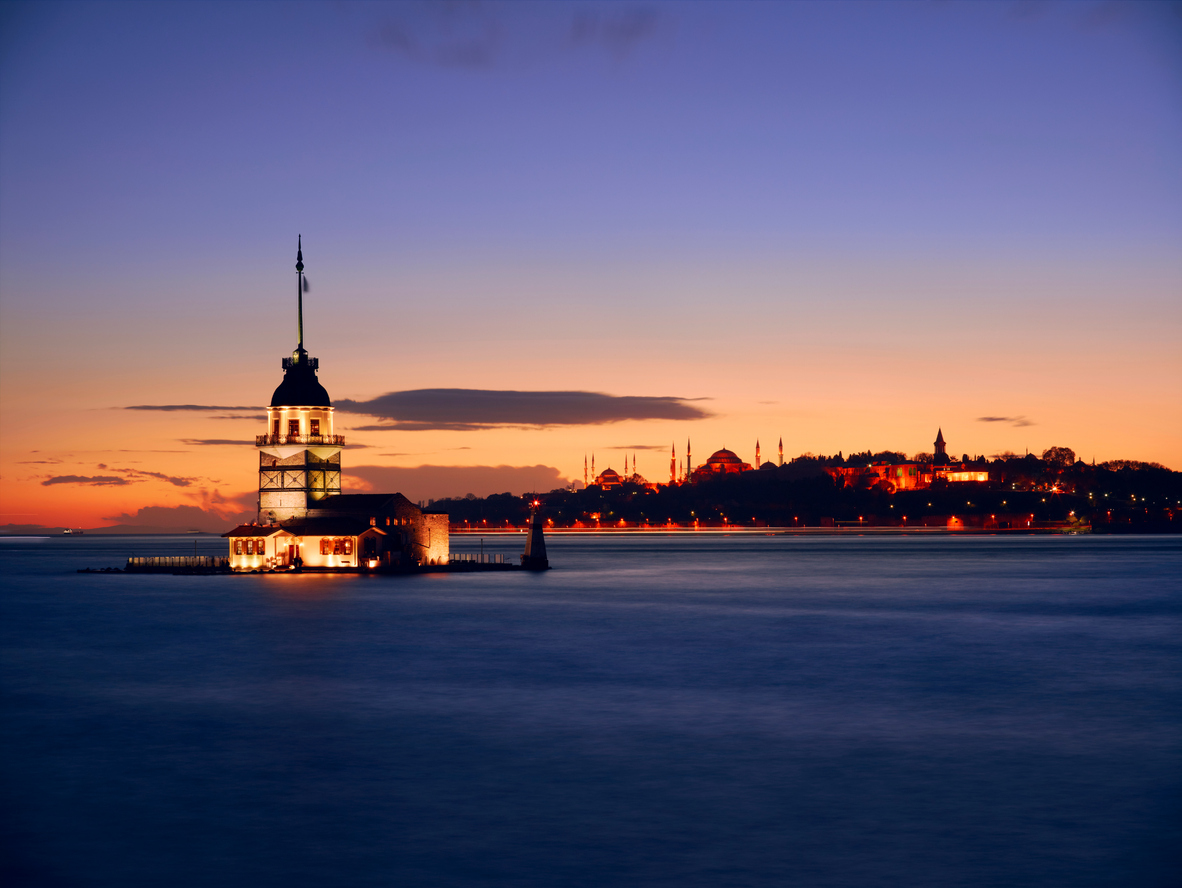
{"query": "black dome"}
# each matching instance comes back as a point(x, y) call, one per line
point(300, 388)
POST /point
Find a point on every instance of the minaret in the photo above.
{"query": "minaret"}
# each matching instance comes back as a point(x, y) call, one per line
point(584, 470)
point(781, 451)
point(593, 475)
point(673, 464)
point(757, 453)
point(689, 460)
point(299, 457)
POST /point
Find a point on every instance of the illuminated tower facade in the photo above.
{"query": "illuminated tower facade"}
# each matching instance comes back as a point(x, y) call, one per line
point(299, 456)
point(689, 460)
point(757, 462)
point(781, 451)
point(673, 464)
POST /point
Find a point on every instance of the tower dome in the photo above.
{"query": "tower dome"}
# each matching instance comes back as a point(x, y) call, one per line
point(300, 387)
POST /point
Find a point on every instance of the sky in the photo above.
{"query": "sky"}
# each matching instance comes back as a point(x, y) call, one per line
point(539, 231)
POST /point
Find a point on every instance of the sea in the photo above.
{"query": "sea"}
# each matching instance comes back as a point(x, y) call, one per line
point(657, 710)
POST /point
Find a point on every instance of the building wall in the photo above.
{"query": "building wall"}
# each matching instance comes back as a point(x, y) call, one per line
point(257, 561)
point(431, 540)
point(285, 504)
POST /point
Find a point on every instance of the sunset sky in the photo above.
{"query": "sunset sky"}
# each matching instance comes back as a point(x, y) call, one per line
point(846, 225)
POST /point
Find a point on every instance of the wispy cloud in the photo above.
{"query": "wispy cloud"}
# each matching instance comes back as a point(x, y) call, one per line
point(1018, 421)
point(174, 480)
point(475, 409)
point(92, 480)
point(618, 32)
point(487, 35)
point(206, 408)
point(215, 442)
point(638, 447)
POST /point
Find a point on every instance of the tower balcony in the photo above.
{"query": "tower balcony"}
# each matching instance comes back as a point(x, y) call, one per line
point(306, 440)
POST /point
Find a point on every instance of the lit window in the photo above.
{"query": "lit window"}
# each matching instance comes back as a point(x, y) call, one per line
point(293, 427)
point(315, 427)
point(348, 547)
point(326, 546)
point(237, 547)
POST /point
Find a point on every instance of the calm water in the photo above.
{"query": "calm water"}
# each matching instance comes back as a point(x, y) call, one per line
point(727, 711)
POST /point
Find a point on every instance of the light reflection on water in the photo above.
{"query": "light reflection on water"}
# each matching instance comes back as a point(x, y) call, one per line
point(739, 710)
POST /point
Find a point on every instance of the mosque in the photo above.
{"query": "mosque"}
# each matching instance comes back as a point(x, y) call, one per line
point(304, 520)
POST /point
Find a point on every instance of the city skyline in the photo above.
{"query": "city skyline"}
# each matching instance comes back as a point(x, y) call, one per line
point(532, 233)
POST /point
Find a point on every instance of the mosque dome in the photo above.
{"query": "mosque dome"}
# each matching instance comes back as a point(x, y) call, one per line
point(300, 387)
point(724, 457)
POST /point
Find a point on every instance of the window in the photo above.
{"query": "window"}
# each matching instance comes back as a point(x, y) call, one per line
point(347, 545)
point(250, 547)
point(325, 546)
point(276, 429)
point(293, 427)
point(237, 547)
point(315, 427)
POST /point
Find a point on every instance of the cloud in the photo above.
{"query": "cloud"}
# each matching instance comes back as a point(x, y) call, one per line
point(479, 36)
point(215, 442)
point(638, 447)
point(448, 35)
point(194, 407)
point(618, 33)
point(1018, 421)
point(182, 518)
point(260, 417)
point(438, 482)
point(174, 480)
point(474, 409)
point(93, 480)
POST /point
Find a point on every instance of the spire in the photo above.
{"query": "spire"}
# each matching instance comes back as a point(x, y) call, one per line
point(300, 287)
point(584, 470)
point(673, 463)
point(781, 451)
point(757, 453)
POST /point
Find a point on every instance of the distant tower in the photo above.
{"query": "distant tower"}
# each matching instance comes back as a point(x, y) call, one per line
point(584, 470)
point(941, 454)
point(689, 460)
point(781, 451)
point(593, 475)
point(673, 463)
point(299, 457)
point(757, 463)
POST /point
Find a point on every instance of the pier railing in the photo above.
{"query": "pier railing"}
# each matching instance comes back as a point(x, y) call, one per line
point(264, 440)
point(478, 558)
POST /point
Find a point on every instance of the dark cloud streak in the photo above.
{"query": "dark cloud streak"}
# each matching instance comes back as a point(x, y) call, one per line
point(194, 407)
point(1019, 421)
point(92, 480)
point(475, 409)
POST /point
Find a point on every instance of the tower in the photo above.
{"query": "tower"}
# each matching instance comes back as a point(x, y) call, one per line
point(940, 456)
point(673, 463)
point(781, 451)
point(584, 470)
point(689, 460)
point(299, 456)
point(757, 463)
